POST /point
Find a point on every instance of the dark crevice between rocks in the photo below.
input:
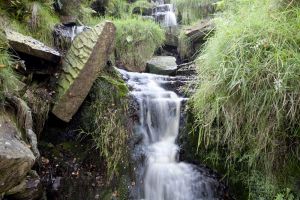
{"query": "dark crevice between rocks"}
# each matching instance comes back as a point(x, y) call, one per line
point(70, 166)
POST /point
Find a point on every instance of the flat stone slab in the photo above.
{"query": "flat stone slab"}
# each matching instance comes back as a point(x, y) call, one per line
point(88, 54)
point(31, 46)
point(164, 65)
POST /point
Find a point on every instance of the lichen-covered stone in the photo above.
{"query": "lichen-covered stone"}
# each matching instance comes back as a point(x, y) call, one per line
point(16, 158)
point(87, 56)
point(31, 46)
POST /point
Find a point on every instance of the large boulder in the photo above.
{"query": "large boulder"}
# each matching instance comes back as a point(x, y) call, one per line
point(87, 56)
point(31, 46)
point(164, 65)
point(16, 158)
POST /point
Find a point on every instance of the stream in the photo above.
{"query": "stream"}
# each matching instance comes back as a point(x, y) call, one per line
point(161, 176)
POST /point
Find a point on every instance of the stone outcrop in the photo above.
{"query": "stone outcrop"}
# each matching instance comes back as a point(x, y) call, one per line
point(16, 158)
point(193, 38)
point(31, 46)
point(164, 65)
point(87, 56)
point(25, 121)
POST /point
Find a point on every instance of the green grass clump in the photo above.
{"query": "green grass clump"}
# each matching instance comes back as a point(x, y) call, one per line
point(9, 82)
point(247, 105)
point(136, 41)
point(104, 119)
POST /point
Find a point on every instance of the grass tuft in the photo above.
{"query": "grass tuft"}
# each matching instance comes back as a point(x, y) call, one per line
point(9, 82)
point(136, 41)
point(104, 119)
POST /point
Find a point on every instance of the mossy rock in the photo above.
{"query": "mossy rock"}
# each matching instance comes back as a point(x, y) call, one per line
point(86, 57)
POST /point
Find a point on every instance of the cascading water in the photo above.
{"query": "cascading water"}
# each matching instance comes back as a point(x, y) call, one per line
point(75, 31)
point(165, 14)
point(162, 176)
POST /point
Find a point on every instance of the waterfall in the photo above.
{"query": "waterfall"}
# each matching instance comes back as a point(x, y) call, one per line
point(162, 176)
point(170, 17)
point(165, 14)
point(75, 30)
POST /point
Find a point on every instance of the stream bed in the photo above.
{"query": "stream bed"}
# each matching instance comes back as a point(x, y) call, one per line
point(159, 173)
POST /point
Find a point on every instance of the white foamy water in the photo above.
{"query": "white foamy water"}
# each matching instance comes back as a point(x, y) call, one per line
point(75, 31)
point(165, 14)
point(170, 17)
point(165, 178)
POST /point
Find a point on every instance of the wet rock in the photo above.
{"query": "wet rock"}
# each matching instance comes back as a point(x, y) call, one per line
point(87, 56)
point(31, 46)
point(164, 65)
point(29, 188)
point(64, 35)
point(16, 158)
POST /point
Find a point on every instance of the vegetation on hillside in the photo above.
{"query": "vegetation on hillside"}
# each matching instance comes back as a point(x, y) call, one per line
point(136, 41)
point(34, 18)
point(247, 106)
point(9, 82)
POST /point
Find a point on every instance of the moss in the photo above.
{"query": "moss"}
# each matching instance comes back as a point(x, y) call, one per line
point(104, 118)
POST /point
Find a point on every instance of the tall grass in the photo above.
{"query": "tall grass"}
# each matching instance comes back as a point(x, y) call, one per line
point(136, 41)
point(247, 105)
point(104, 119)
point(9, 82)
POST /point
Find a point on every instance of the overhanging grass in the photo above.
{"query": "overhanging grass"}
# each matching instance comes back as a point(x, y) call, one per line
point(247, 105)
point(136, 41)
point(104, 119)
point(9, 82)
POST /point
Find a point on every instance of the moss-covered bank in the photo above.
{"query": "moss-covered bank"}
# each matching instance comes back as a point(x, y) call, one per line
point(105, 118)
